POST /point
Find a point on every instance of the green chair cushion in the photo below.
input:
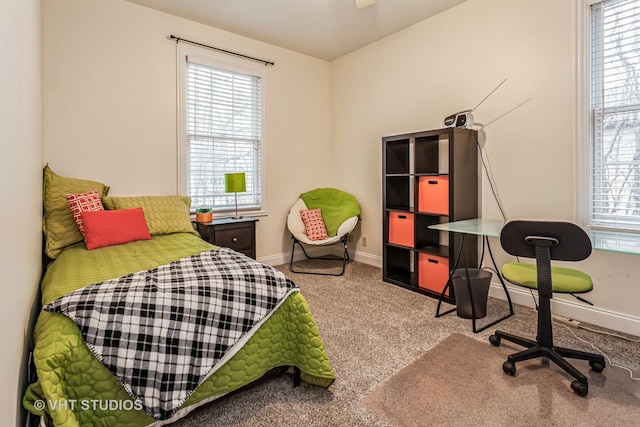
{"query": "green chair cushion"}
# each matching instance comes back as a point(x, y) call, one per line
point(335, 205)
point(564, 280)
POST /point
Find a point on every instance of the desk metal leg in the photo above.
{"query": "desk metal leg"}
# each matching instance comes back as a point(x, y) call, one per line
point(485, 241)
point(449, 282)
point(493, 261)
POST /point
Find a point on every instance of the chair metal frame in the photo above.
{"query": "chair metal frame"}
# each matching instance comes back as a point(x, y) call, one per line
point(345, 256)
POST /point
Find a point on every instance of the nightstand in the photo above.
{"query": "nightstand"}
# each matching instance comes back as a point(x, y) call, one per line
point(237, 234)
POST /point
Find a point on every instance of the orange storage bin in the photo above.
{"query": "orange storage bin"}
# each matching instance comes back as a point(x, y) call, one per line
point(433, 272)
point(433, 194)
point(401, 228)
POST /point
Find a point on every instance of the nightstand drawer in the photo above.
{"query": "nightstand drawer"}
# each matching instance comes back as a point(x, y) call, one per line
point(237, 234)
point(238, 239)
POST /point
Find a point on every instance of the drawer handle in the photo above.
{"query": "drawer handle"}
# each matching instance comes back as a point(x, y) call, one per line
point(235, 239)
point(402, 217)
point(432, 260)
point(433, 182)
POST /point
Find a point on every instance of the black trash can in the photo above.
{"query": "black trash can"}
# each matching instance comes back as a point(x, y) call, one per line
point(480, 280)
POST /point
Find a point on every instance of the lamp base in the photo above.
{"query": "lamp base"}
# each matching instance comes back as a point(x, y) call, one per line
point(236, 216)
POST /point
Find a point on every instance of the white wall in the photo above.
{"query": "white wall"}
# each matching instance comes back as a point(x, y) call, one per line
point(110, 105)
point(411, 80)
point(20, 192)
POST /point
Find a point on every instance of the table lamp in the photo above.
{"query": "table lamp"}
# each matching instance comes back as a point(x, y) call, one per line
point(235, 183)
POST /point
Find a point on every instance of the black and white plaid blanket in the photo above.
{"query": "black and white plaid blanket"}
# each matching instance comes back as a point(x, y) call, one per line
point(163, 331)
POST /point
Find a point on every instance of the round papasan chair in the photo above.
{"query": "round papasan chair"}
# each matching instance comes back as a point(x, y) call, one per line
point(340, 213)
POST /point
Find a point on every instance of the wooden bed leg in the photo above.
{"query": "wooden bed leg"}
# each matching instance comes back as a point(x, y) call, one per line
point(296, 376)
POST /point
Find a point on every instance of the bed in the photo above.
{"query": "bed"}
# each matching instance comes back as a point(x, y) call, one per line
point(81, 381)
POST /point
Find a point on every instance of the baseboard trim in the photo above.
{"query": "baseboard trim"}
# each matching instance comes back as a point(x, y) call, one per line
point(284, 258)
point(581, 312)
point(365, 258)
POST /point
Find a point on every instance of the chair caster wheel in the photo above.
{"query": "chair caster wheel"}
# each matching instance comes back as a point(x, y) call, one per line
point(494, 340)
point(509, 368)
point(581, 389)
point(596, 366)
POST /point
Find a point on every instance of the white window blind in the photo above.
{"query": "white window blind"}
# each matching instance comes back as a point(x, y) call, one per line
point(223, 135)
point(615, 114)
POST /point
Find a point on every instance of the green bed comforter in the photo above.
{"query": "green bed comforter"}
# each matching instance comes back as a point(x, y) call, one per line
point(76, 389)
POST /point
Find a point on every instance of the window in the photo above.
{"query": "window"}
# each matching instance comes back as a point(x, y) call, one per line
point(220, 128)
point(614, 114)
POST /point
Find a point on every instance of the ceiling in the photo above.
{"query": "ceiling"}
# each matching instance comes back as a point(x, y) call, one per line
point(325, 29)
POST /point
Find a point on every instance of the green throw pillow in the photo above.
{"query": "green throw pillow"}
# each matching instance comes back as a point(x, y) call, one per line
point(164, 214)
point(59, 226)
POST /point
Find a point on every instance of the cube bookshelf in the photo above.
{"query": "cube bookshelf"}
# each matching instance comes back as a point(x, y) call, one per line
point(429, 177)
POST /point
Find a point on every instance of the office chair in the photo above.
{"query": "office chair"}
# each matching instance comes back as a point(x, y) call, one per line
point(546, 241)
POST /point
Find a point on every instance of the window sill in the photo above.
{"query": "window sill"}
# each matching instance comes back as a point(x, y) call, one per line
point(229, 214)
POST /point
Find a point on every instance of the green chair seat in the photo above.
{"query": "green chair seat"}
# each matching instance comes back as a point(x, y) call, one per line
point(564, 280)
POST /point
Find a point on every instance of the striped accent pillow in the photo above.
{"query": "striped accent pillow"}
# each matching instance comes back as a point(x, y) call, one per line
point(84, 202)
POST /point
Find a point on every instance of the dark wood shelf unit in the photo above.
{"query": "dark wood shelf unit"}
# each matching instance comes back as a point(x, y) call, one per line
point(415, 256)
point(440, 250)
point(398, 194)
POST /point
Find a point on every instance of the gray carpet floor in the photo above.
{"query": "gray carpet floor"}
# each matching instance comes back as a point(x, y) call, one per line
point(372, 330)
point(424, 392)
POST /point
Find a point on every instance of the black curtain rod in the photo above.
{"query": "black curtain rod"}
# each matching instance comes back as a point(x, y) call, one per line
point(178, 39)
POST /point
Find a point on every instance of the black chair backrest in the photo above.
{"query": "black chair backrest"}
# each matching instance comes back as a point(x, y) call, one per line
point(573, 243)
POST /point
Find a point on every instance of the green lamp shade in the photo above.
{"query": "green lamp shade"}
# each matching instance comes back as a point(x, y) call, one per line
point(234, 183)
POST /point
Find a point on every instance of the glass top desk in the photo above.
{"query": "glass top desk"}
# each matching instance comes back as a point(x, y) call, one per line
point(612, 241)
point(615, 241)
point(601, 240)
point(477, 226)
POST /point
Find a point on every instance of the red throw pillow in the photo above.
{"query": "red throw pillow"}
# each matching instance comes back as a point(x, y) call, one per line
point(84, 202)
point(107, 228)
point(314, 224)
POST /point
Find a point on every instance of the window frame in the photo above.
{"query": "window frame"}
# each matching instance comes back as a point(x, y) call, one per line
point(226, 62)
point(583, 122)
